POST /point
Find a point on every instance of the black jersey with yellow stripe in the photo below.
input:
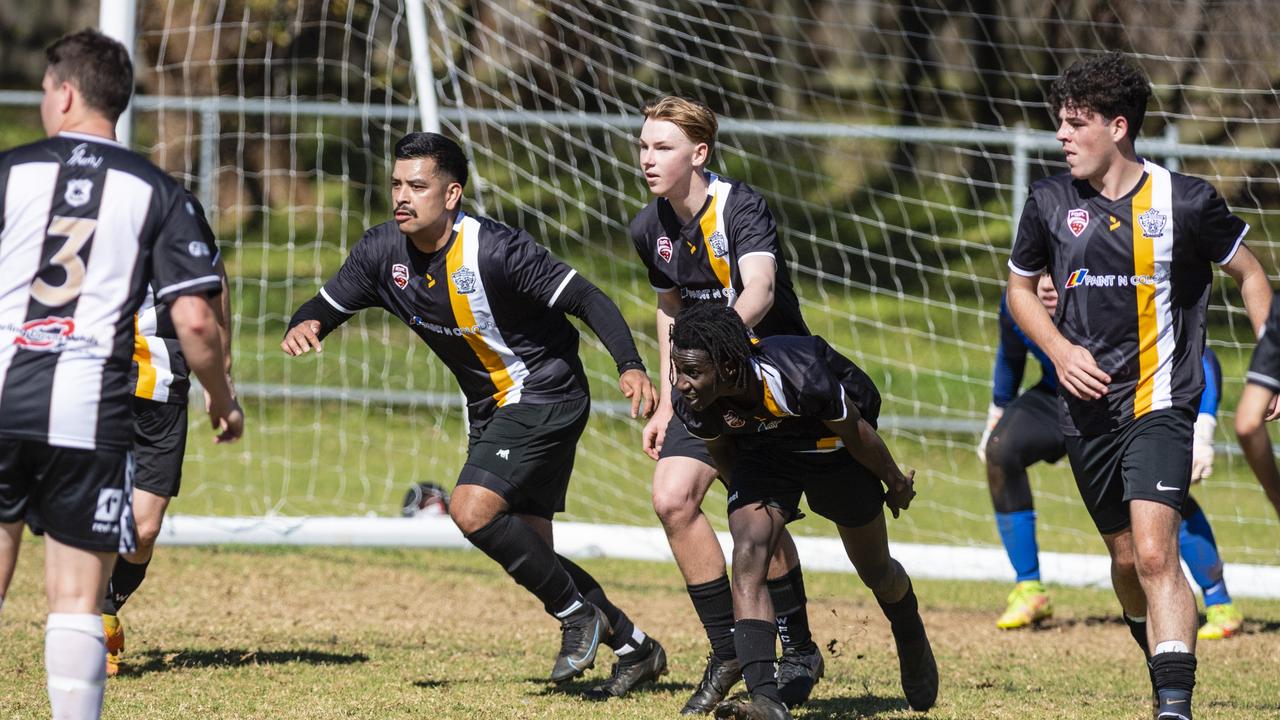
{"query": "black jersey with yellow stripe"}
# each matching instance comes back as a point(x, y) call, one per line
point(797, 382)
point(700, 258)
point(1133, 278)
point(160, 371)
point(483, 303)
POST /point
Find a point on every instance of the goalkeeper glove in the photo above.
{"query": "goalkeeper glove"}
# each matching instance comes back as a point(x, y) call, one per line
point(1202, 447)
point(994, 413)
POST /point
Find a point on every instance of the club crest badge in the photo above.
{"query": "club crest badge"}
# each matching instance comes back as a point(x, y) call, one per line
point(400, 275)
point(1077, 221)
point(78, 192)
point(732, 420)
point(719, 244)
point(664, 248)
point(464, 280)
point(1152, 223)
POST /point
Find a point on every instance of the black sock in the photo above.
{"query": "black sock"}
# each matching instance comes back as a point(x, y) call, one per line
point(126, 578)
point(527, 559)
point(713, 602)
point(1138, 629)
point(623, 636)
point(1174, 676)
point(756, 645)
point(787, 593)
point(904, 616)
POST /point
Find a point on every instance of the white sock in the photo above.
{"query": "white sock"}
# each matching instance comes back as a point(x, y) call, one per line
point(637, 639)
point(75, 656)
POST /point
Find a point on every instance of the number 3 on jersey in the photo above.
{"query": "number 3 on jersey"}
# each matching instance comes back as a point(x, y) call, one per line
point(77, 232)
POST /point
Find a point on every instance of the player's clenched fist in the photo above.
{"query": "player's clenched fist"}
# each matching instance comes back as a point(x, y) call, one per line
point(902, 489)
point(302, 337)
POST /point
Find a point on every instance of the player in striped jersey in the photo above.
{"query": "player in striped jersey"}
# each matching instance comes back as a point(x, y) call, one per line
point(1130, 246)
point(1022, 429)
point(160, 381)
point(708, 238)
point(1257, 402)
point(492, 304)
point(785, 416)
point(85, 225)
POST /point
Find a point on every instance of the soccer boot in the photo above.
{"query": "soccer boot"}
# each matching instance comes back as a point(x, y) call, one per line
point(1221, 621)
point(1028, 604)
point(1174, 706)
point(580, 636)
point(717, 680)
point(919, 672)
point(626, 674)
point(798, 672)
point(757, 708)
point(113, 629)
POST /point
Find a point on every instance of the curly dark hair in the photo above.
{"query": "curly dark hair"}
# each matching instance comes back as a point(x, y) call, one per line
point(1110, 85)
point(718, 331)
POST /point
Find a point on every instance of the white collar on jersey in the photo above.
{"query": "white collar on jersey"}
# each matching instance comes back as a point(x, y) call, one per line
point(90, 138)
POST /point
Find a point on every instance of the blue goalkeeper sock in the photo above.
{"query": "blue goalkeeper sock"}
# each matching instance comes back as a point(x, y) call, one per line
point(1018, 533)
point(1200, 551)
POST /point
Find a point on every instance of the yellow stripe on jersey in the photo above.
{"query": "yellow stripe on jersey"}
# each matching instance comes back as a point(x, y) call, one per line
point(710, 224)
point(829, 443)
point(465, 318)
point(1144, 266)
point(771, 403)
point(146, 386)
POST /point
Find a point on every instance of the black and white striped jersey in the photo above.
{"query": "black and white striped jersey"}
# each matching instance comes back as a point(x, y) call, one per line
point(85, 225)
point(160, 370)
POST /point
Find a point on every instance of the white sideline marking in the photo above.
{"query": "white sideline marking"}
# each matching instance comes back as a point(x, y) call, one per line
point(578, 539)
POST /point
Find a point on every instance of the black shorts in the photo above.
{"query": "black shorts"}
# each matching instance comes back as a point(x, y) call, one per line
point(525, 454)
point(159, 444)
point(81, 498)
point(679, 443)
point(1029, 431)
point(837, 487)
point(1149, 459)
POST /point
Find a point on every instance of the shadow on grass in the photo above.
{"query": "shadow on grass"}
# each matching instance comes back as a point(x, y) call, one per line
point(167, 660)
point(582, 685)
point(430, 684)
point(859, 706)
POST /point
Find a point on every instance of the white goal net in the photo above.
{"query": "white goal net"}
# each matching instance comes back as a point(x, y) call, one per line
point(893, 140)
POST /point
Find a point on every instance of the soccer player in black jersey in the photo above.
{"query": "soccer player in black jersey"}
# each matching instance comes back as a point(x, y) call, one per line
point(492, 303)
point(1257, 403)
point(784, 416)
point(86, 225)
point(1130, 246)
point(707, 238)
point(161, 383)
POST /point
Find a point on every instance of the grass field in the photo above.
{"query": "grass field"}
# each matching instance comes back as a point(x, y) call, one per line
point(320, 633)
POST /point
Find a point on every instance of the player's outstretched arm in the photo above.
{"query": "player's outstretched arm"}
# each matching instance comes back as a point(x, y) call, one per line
point(868, 448)
point(582, 299)
point(1251, 430)
point(196, 323)
point(310, 324)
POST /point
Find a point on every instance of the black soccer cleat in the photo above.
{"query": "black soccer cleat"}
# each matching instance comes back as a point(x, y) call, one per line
point(919, 672)
point(1174, 705)
point(580, 636)
point(798, 672)
point(757, 708)
point(717, 680)
point(651, 665)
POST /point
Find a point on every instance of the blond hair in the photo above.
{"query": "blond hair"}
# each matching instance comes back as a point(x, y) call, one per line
point(694, 118)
